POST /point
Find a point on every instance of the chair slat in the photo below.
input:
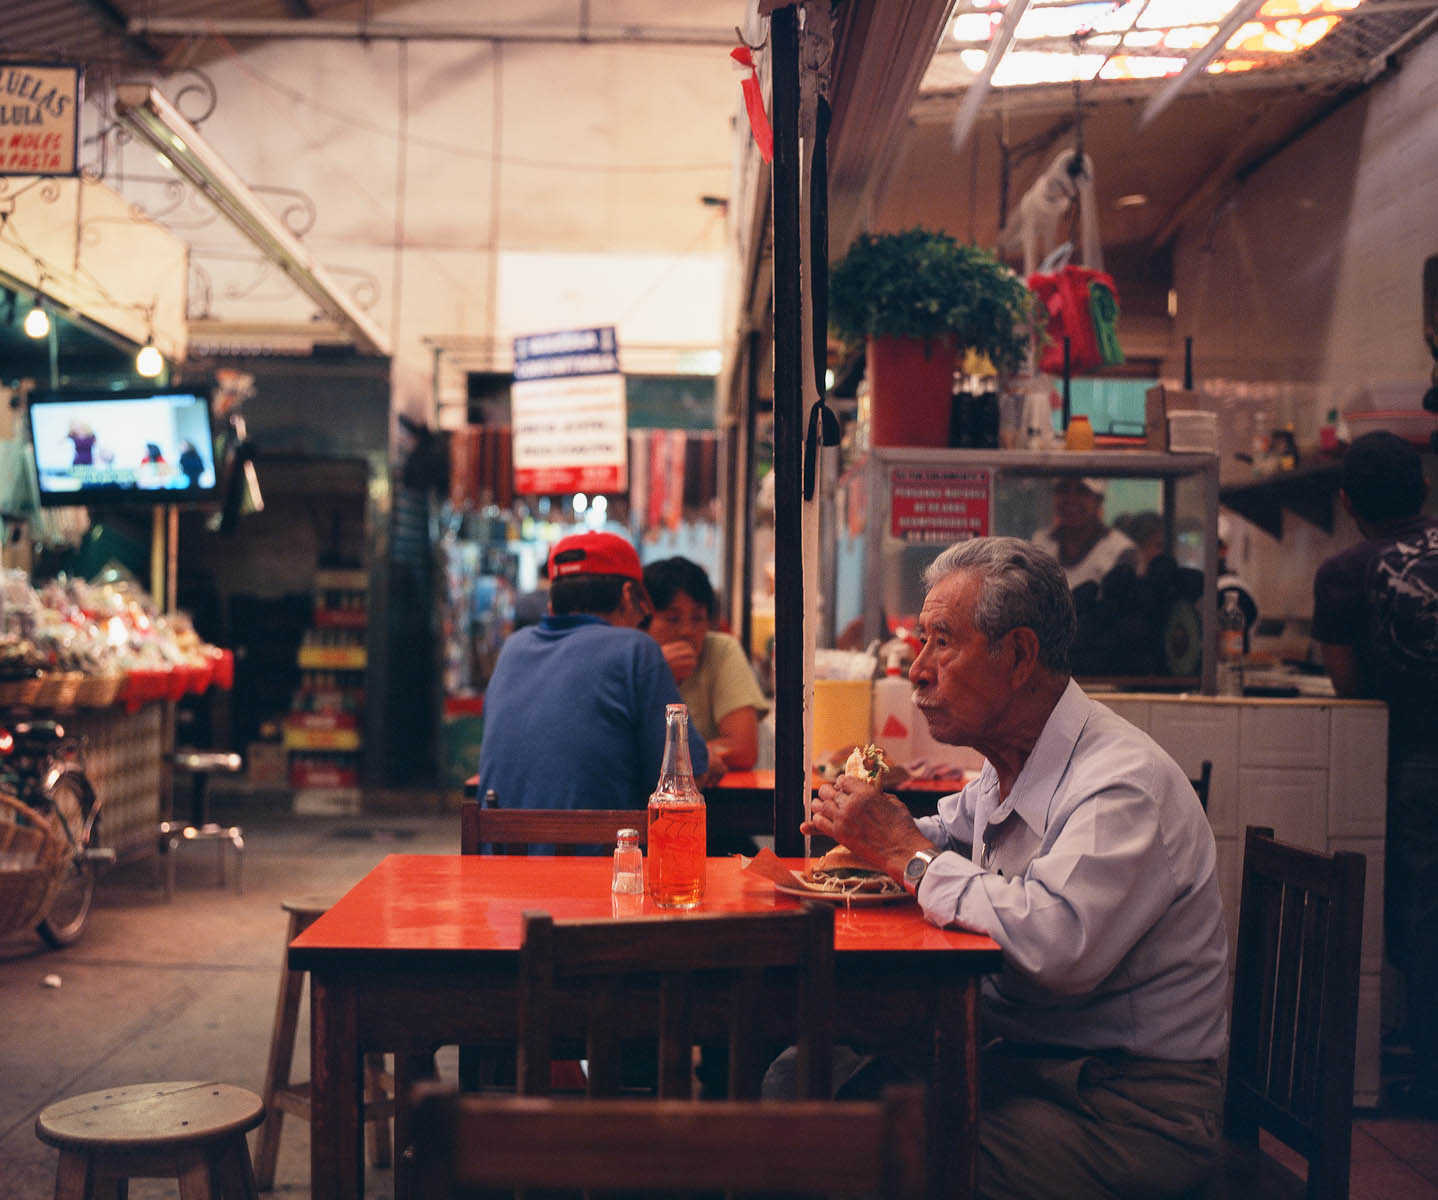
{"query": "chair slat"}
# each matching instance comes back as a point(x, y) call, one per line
point(466, 1143)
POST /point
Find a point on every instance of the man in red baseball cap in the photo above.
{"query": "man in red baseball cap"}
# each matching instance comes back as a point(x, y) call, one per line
point(574, 712)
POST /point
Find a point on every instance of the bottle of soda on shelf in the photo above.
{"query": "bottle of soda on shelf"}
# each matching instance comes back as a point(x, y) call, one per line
point(677, 828)
point(1230, 646)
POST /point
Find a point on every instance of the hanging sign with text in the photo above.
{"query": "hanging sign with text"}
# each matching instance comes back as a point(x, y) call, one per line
point(930, 504)
point(568, 412)
point(39, 118)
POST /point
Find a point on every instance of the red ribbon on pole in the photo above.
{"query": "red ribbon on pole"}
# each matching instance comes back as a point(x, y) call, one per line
point(754, 103)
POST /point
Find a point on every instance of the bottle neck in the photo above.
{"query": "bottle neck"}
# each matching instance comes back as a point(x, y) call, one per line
point(677, 772)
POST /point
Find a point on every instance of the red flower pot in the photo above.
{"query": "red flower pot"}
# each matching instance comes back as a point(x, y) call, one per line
point(911, 385)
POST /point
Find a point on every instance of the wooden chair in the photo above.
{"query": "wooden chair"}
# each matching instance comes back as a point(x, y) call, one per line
point(515, 831)
point(1200, 785)
point(511, 829)
point(468, 1143)
point(730, 963)
point(1295, 1016)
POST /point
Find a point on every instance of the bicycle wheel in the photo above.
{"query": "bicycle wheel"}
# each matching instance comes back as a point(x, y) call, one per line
point(73, 801)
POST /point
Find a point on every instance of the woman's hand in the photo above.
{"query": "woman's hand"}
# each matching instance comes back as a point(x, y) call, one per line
point(682, 659)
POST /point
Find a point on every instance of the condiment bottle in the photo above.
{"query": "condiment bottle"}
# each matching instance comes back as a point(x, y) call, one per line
point(1230, 646)
point(628, 863)
point(1079, 435)
point(677, 833)
point(895, 719)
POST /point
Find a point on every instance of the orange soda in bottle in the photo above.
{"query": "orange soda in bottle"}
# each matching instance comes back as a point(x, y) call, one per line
point(677, 828)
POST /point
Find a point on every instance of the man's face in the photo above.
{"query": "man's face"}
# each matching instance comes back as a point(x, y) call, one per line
point(684, 620)
point(1074, 505)
point(962, 688)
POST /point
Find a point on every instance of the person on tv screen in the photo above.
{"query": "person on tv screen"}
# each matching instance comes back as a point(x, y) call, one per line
point(191, 463)
point(84, 440)
point(153, 454)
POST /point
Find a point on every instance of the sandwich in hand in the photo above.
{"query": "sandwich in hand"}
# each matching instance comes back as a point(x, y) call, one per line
point(867, 763)
point(842, 871)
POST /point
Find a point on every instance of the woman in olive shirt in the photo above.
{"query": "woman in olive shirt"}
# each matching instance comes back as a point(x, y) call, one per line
point(715, 679)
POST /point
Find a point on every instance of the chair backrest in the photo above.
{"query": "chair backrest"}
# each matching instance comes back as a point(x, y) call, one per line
point(644, 982)
point(465, 1143)
point(1200, 785)
point(514, 830)
point(1295, 1004)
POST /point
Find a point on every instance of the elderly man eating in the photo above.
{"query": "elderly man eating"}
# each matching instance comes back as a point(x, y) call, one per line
point(1083, 851)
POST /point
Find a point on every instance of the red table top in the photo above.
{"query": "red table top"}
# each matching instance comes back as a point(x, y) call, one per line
point(419, 902)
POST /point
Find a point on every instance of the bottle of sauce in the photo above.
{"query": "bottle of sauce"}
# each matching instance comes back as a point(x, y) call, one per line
point(1079, 435)
point(677, 828)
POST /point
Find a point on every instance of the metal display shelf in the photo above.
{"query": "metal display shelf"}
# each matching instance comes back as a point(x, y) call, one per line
point(892, 562)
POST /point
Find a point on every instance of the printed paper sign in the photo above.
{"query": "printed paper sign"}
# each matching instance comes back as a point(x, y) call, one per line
point(39, 118)
point(939, 505)
point(567, 408)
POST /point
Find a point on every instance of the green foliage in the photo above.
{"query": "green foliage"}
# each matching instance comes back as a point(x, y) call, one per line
point(921, 283)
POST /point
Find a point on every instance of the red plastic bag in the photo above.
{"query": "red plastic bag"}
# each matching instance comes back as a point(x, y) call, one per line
point(1066, 297)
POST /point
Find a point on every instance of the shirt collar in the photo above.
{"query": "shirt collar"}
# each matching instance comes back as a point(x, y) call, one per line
point(1033, 792)
point(553, 624)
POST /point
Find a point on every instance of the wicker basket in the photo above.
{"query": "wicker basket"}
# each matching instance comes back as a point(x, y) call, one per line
point(17, 693)
point(32, 864)
point(100, 691)
point(58, 689)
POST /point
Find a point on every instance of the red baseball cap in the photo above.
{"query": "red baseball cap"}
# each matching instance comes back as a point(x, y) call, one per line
point(594, 554)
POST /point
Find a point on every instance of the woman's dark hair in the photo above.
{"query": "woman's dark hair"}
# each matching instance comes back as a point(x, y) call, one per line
point(666, 576)
point(597, 594)
point(1383, 477)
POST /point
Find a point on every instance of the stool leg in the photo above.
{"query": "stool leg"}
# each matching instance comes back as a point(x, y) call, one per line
point(237, 844)
point(377, 1129)
point(277, 1071)
point(71, 1176)
point(196, 1177)
point(232, 1169)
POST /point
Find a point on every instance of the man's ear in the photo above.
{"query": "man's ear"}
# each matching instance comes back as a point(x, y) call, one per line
point(1024, 643)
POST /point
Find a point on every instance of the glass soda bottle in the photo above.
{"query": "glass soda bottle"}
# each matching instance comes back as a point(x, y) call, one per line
point(677, 833)
point(1230, 646)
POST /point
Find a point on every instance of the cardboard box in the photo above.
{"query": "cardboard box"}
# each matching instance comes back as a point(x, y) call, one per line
point(1160, 403)
point(266, 764)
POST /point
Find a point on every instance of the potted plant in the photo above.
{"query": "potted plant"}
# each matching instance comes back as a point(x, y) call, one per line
point(920, 298)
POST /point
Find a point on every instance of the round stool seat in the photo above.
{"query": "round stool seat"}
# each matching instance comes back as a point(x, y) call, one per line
point(149, 1114)
point(207, 760)
point(190, 1130)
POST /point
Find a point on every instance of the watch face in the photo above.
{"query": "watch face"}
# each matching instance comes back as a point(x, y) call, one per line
point(916, 868)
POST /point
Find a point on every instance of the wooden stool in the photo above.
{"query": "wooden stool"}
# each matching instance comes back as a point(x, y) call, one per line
point(193, 1132)
point(201, 764)
point(280, 1095)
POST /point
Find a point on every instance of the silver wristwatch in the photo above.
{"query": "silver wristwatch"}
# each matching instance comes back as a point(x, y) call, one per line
point(914, 869)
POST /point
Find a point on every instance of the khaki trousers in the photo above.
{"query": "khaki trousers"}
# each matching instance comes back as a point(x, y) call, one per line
point(1104, 1125)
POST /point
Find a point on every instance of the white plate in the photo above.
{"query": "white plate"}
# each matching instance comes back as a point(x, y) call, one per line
point(846, 898)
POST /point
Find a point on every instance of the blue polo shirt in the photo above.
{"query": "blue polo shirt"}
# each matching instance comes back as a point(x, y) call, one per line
point(574, 717)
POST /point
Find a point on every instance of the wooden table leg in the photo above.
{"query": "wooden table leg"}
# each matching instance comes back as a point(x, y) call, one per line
point(336, 1085)
point(954, 1101)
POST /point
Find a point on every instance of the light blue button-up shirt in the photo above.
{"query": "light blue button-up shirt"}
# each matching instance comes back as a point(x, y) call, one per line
point(1097, 877)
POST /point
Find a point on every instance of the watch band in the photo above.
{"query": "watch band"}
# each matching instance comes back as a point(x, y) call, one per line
point(915, 869)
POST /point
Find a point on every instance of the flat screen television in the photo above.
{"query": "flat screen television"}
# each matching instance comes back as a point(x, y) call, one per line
point(95, 447)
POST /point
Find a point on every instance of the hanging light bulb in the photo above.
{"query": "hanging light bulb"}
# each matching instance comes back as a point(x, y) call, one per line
point(37, 321)
point(149, 362)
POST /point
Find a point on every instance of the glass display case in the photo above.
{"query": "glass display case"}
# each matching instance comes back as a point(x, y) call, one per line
point(1142, 623)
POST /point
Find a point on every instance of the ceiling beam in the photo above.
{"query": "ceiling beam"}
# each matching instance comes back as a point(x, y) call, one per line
point(118, 21)
point(387, 31)
point(1198, 63)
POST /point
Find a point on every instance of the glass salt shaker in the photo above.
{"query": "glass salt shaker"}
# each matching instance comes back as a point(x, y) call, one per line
point(628, 863)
